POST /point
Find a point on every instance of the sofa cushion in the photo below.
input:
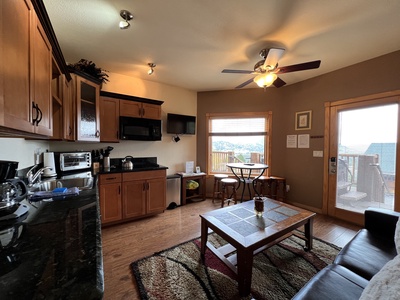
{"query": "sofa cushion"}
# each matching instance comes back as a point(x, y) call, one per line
point(384, 284)
point(397, 236)
point(333, 282)
point(366, 254)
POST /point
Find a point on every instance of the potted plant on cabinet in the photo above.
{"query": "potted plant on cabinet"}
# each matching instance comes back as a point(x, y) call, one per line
point(89, 70)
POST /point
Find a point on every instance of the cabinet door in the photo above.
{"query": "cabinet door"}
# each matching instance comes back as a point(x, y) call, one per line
point(130, 109)
point(134, 198)
point(110, 202)
point(15, 41)
point(88, 112)
point(42, 72)
point(68, 101)
point(151, 111)
point(109, 119)
point(156, 195)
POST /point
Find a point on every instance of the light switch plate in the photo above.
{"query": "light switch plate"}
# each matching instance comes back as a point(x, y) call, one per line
point(318, 153)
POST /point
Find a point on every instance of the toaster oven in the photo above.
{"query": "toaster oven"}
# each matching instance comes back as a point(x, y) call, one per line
point(72, 161)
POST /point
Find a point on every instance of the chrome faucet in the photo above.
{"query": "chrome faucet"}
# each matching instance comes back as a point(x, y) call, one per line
point(33, 177)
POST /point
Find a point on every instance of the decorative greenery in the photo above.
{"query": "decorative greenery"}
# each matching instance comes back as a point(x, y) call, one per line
point(90, 68)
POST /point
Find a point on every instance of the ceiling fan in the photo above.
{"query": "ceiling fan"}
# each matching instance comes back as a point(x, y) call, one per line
point(267, 69)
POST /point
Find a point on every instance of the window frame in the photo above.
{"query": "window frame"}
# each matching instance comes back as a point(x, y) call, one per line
point(267, 138)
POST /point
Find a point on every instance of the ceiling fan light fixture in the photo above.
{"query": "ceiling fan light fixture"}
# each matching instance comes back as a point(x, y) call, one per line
point(126, 16)
point(265, 80)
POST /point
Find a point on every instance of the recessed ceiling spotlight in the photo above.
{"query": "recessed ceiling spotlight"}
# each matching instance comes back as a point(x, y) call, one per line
point(127, 16)
point(151, 70)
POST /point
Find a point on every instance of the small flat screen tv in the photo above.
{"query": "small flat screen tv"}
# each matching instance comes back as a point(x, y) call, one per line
point(181, 124)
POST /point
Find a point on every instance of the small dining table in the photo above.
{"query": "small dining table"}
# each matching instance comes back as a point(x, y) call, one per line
point(238, 169)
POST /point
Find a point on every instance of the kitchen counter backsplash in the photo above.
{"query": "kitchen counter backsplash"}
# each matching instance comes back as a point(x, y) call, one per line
point(139, 164)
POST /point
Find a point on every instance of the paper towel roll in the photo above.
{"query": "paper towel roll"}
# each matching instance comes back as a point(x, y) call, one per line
point(48, 161)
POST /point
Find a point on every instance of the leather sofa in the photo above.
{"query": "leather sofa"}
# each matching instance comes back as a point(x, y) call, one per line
point(364, 256)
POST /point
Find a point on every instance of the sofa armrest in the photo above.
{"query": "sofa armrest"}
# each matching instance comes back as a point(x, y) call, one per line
point(381, 222)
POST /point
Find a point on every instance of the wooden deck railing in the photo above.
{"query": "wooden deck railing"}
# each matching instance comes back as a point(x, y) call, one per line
point(367, 175)
point(221, 158)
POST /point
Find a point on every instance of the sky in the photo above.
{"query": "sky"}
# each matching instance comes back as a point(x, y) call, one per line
point(361, 127)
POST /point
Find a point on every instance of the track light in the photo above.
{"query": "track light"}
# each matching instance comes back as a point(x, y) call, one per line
point(176, 138)
point(151, 70)
point(127, 16)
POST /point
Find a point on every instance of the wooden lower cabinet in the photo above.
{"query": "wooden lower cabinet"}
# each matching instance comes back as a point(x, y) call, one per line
point(134, 199)
point(110, 191)
point(141, 194)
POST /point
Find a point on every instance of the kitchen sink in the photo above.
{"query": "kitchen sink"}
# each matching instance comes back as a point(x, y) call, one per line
point(49, 185)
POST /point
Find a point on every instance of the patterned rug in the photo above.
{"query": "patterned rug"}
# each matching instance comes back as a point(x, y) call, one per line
point(278, 272)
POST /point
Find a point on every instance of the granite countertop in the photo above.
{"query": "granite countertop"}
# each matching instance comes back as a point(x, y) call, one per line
point(57, 251)
point(119, 169)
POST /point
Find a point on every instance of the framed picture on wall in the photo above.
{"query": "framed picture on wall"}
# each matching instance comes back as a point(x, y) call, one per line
point(303, 120)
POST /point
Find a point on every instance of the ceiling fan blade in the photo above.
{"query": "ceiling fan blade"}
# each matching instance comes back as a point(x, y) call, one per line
point(273, 55)
point(236, 71)
point(299, 67)
point(278, 82)
point(244, 84)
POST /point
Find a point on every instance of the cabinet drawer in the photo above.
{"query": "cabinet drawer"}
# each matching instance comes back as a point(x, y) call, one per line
point(144, 175)
point(110, 178)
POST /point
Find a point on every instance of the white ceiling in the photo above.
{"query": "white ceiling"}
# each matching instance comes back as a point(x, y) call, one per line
point(191, 41)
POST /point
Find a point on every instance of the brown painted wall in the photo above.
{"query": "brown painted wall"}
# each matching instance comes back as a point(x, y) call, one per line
point(303, 172)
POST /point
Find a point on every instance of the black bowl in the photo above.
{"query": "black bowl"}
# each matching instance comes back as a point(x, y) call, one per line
point(8, 169)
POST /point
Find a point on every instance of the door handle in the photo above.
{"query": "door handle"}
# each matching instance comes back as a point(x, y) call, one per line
point(332, 165)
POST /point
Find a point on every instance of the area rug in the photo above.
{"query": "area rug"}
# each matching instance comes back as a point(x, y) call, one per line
point(278, 272)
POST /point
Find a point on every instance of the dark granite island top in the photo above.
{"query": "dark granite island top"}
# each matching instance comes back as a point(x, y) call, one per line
point(54, 251)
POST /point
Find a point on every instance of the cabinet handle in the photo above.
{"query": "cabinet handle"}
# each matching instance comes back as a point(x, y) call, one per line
point(97, 133)
point(70, 130)
point(143, 112)
point(40, 115)
point(111, 178)
point(37, 113)
point(119, 190)
point(144, 186)
point(147, 186)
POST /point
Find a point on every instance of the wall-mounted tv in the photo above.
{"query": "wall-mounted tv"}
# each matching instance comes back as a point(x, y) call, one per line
point(181, 124)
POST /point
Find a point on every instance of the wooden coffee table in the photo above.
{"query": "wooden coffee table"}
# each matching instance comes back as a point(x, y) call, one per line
point(247, 234)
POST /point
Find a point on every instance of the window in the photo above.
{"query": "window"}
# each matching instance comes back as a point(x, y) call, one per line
point(239, 137)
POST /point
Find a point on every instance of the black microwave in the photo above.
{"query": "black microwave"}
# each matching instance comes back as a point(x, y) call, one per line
point(139, 129)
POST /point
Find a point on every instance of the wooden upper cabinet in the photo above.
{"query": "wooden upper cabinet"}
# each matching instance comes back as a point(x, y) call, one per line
point(25, 70)
point(42, 73)
point(130, 109)
point(109, 119)
point(68, 108)
point(136, 109)
point(151, 111)
point(17, 20)
point(88, 109)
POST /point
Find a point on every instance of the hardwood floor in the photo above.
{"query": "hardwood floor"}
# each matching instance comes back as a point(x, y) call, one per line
point(125, 243)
